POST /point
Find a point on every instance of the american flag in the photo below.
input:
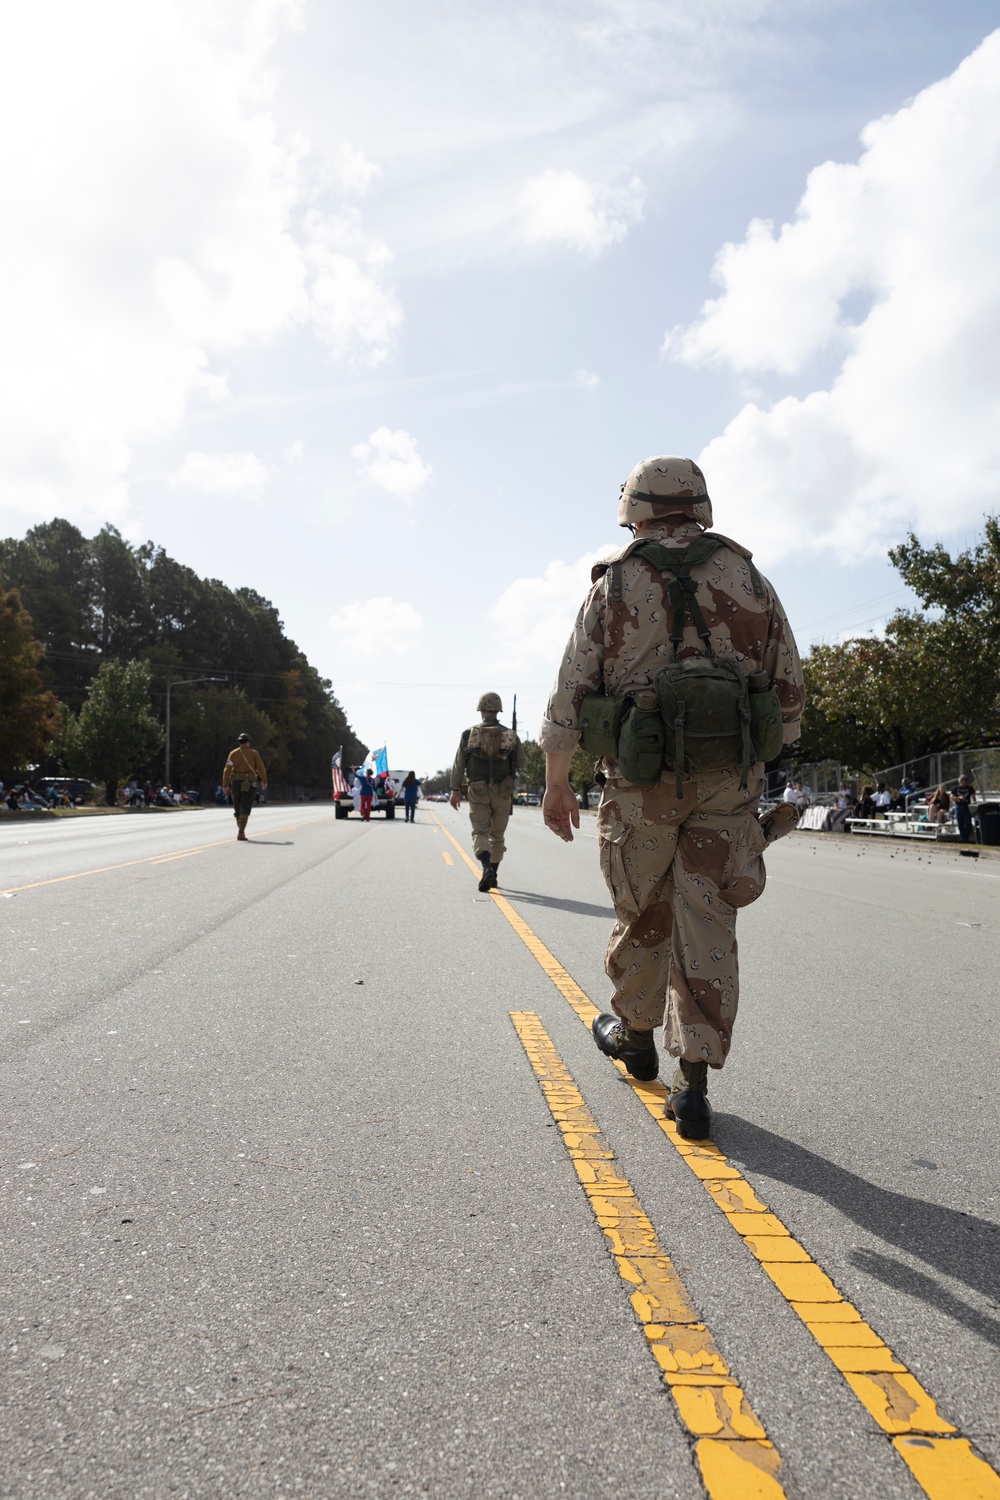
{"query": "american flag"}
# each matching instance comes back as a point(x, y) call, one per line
point(340, 788)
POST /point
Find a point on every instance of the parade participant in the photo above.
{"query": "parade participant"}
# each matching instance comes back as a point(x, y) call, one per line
point(411, 794)
point(366, 790)
point(243, 770)
point(682, 673)
point(490, 755)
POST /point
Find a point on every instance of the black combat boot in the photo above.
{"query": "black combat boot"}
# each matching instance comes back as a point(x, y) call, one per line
point(489, 877)
point(687, 1102)
point(635, 1049)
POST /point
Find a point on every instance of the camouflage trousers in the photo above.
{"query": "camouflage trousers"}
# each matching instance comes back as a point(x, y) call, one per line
point(489, 813)
point(679, 869)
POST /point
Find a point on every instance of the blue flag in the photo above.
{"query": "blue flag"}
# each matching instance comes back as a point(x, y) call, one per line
point(381, 761)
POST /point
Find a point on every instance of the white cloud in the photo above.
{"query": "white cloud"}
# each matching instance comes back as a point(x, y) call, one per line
point(353, 310)
point(226, 474)
point(533, 616)
point(151, 235)
point(293, 453)
point(908, 431)
point(389, 461)
point(352, 172)
point(376, 626)
point(587, 380)
point(560, 207)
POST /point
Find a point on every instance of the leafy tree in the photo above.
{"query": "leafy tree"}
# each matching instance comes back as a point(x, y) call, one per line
point(534, 770)
point(51, 570)
point(29, 716)
point(966, 588)
point(101, 599)
point(875, 702)
point(581, 773)
point(204, 725)
point(117, 733)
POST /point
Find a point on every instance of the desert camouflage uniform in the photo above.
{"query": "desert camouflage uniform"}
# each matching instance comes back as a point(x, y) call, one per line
point(489, 801)
point(678, 867)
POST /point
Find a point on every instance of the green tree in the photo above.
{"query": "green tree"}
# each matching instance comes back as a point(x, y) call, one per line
point(932, 683)
point(880, 701)
point(581, 773)
point(29, 716)
point(966, 588)
point(204, 725)
point(534, 770)
point(101, 599)
point(117, 733)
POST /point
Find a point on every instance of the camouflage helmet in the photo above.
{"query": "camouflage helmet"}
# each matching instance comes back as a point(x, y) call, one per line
point(664, 487)
point(490, 703)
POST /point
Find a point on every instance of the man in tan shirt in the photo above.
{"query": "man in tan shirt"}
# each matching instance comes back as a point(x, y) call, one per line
point(243, 770)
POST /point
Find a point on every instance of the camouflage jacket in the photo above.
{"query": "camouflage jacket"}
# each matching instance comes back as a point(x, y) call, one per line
point(624, 644)
point(504, 754)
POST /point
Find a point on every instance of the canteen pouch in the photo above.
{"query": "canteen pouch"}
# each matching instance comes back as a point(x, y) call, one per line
point(600, 723)
point(641, 745)
point(767, 730)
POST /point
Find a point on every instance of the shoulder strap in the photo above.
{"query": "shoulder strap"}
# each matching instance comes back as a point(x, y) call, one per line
point(683, 588)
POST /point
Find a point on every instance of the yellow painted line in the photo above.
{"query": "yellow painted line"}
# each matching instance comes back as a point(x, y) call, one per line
point(165, 859)
point(944, 1464)
point(447, 857)
point(151, 859)
point(736, 1457)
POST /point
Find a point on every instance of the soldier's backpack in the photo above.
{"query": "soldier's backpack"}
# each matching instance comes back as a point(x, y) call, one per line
point(708, 713)
point(490, 752)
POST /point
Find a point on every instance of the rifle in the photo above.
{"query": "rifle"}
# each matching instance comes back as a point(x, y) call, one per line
point(513, 760)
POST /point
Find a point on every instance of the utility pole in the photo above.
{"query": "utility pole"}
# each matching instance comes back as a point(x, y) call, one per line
point(177, 682)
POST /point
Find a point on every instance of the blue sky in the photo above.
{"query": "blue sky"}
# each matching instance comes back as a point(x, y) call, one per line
point(373, 308)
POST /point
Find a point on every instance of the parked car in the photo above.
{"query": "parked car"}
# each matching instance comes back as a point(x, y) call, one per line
point(76, 790)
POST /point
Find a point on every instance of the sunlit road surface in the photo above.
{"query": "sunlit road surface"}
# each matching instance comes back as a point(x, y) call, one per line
point(317, 1185)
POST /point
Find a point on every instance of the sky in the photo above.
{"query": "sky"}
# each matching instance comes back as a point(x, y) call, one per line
point(372, 308)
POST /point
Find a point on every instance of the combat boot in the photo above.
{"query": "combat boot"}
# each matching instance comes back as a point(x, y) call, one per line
point(687, 1102)
point(241, 824)
point(636, 1049)
point(489, 876)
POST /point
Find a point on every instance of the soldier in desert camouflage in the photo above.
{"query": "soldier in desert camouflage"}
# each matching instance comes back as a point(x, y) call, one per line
point(490, 755)
point(682, 851)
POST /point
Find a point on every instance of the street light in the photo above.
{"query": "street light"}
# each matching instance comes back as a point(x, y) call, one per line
point(177, 681)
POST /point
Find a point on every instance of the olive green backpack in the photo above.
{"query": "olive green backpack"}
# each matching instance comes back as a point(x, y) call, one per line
point(709, 714)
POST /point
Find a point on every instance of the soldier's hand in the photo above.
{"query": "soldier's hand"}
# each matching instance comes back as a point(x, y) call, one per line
point(561, 811)
point(455, 799)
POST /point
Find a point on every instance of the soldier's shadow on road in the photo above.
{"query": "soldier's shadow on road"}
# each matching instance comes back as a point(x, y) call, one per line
point(953, 1243)
point(578, 908)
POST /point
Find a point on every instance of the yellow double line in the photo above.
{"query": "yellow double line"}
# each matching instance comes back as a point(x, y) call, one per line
point(944, 1464)
point(732, 1448)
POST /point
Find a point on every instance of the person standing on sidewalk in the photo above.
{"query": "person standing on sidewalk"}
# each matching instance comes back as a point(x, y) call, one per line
point(963, 796)
point(243, 770)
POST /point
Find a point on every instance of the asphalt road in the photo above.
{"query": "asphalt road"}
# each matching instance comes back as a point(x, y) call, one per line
point(288, 1211)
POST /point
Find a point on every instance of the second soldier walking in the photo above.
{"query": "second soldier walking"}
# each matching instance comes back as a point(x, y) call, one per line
point(490, 755)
